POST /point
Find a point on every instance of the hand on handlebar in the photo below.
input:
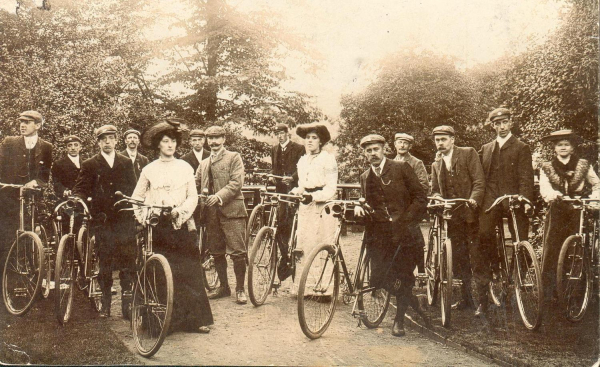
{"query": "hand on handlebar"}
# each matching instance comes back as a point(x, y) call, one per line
point(472, 203)
point(306, 199)
point(212, 200)
point(31, 184)
point(288, 180)
point(359, 211)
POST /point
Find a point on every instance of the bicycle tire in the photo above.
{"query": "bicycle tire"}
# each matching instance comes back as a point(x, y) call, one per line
point(430, 270)
point(446, 282)
point(263, 266)
point(326, 276)
point(373, 304)
point(24, 266)
point(255, 223)
point(64, 278)
point(94, 292)
point(528, 289)
point(574, 278)
point(152, 305)
point(208, 269)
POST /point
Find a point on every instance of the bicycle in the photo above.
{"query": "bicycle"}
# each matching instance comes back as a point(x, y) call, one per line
point(520, 270)
point(209, 272)
point(578, 265)
point(317, 298)
point(152, 303)
point(438, 260)
point(259, 215)
point(263, 255)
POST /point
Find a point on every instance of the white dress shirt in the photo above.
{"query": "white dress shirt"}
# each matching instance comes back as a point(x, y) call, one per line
point(198, 154)
point(75, 160)
point(284, 145)
point(132, 154)
point(31, 141)
point(448, 159)
point(317, 170)
point(501, 141)
point(381, 164)
point(110, 158)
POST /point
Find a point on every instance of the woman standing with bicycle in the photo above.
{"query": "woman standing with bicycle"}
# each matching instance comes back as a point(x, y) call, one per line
point(170, 181)
point(566, 175)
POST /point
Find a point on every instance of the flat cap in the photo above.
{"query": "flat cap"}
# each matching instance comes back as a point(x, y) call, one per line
point(282, 127)
point(215, 131)
point(319, 129)
point(558, 135)
point(372, 139)
point(31, 115)
point(72, 139)
point(443, 130)
point(132, 131)
point(499, 112)
point(403, 136)
point(103, 130)
point(197, 132)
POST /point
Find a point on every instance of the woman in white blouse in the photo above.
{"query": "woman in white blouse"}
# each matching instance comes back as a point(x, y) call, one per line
point(566, 175)
point(317, 182)
point(171, 181)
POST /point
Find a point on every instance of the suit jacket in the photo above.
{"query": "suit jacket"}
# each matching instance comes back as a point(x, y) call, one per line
point(470, 181)
point(289, 161)
point(140, 162)
point(227, 171)
point(406, 200)
point(515, 174)
point(190, 157)
point(64, 175)
point(100, 182)
point(13, 161)
point(419, 167)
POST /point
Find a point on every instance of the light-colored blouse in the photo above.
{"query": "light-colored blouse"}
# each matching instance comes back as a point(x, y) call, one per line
point(317, 170)
point(168, 182)
point(548, 193)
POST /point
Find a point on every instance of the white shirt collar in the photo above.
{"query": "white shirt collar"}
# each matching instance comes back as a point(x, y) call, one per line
point(110, 158)
point(75, 160)
point(31, 141)
point(501, 141)
point(198, 154)
point(284, 145)
point(132, 153)
point(213, 155)
point(380, 166)
point(448, 159)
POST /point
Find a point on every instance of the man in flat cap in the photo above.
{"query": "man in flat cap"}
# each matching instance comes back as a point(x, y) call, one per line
point(198, 153)
point(457, 173)
point(66, 170)
point(223, 175)
point(132, 141)
point(101, 176)
point(508, 169)
point(392, 190)
point(25, 160)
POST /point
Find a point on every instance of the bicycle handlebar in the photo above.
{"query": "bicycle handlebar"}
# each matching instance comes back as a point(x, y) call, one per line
point(72, 202)
point(139, 203)
point(580, 200)
point(19, 186)
point(510, 197)
point(445, 201)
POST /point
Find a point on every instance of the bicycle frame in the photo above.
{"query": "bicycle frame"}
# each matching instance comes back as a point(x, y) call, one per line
point(588, 238)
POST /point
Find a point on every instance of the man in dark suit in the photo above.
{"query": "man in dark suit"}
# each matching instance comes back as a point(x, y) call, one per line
point(393, 191)
point(139, 161)
point(66, 169)
point(25, 160)
point(285, 156)
point(457, 173)
point(101, 176)
point(198, 153)
point(508, 170)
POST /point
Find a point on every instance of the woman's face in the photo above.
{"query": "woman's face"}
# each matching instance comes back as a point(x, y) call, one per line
point(313, 143)
point(167, 146)
point(563, 148)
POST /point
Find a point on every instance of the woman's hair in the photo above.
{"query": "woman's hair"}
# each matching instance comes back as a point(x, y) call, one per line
point(169, 133)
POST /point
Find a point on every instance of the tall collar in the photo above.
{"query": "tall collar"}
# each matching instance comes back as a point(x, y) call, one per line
point(564, 160)
point(110, 158)
point(404, 158)
point(381, 165)
point(31, 141)
point(214, 155)
point(502, 141)
point(198, 154)
point(284, 145)
point(75, 160)
point(132, 153)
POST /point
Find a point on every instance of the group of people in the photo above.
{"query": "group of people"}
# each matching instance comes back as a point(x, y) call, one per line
point(395, 188)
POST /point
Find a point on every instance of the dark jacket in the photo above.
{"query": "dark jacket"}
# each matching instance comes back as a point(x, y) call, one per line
point(469, 175)
point(190, 157)
point(14, 161)
point(515, 173)
point(140, 162)
point(285, 163)
point(64, 175)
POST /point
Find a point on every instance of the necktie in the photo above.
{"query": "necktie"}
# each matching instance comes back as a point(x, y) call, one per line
point(378, 171)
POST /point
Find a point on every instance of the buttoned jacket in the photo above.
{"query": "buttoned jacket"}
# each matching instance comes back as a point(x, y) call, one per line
point(14, 161)
point(469, 181)
point(419, 167)
point(64, 175)
point(191, 158)
point(139, 163)
point(293, 153)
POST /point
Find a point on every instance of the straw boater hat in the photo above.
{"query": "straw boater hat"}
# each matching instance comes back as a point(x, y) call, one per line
point(319, 129)
point(559, 135)
point(175, 124)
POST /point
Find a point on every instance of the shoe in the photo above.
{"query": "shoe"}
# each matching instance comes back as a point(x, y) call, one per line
point(105, 312)
point(462, 305)
point(204, 330)
point(241, 297)
point(220, 292)
point(398, 328)
point(482, 309)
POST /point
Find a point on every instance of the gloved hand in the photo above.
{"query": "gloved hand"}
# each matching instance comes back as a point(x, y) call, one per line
point(306, 199)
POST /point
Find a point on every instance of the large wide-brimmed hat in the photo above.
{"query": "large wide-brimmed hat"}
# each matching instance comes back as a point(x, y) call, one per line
point(321, 131)
point(566, 134)
point(171, 124)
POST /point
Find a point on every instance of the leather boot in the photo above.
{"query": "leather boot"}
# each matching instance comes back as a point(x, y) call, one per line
point(466, 301)
point(239, 268)
point(221, 268)
point(402, 301)
point(106, 300)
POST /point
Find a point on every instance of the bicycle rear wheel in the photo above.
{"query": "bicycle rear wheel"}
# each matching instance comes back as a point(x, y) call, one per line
point(373, 302)
point(152, 305)
point(64, 278)
point(430, 269)
point(446, 282)
point(263, 266)
point(255, 222)
point(573, 278)
point(318, 291)
point(528, 285)
point(22, 277)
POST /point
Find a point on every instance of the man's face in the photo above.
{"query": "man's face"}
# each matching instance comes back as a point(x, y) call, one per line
point(73, 148)
point(402, 146)
point(197, 142)
point(132, 141)
point(28, 127)
point(107, 143)
point(502, 126)
point(444, 143)
point(374, 153)
point(282, 136)
point(216, 142)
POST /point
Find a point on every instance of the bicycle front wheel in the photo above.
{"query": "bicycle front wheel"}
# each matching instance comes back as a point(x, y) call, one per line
point(64, 278)
point(528, 285)
point(373, 302)
point(499, 288)
point(318, 291)
point(23, 269)
point(430, 269)
point(255, 223)
point(446, 282)
point(263, 265)
point(573, 278)
point(152, 305)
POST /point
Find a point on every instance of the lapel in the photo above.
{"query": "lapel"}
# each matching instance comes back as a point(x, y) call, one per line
point(69, 162)
point(37, 149)
point(195, 158)
point(276, 151)
point(386, 168)
point(455, 155)
point(219, 156)
point(205, 172)
point(488, 150)
point(103, 164)
point(509, 142)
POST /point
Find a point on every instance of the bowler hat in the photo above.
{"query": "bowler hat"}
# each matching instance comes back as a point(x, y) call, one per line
point(197, 132)
point(103, 130)
point(443, 130)
point(132, 131)
point(403, 136)
point(215, 131)
point(558, 135)
point(371, 139)
point(31, 115)
point(282, 127)
point(498, 113)
point(72, 139)
point(319, 129)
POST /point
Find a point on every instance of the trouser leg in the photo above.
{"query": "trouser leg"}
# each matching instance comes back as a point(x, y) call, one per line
point(239, 268)
point(419, 242)
point(479, 261)
point(221, 268)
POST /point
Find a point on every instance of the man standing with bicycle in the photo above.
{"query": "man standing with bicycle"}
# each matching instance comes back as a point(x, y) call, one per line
point(508, 171)
point(66, 170)
point(101, 176)
point(393, 191)
point(457, 173)
point(139, 161)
